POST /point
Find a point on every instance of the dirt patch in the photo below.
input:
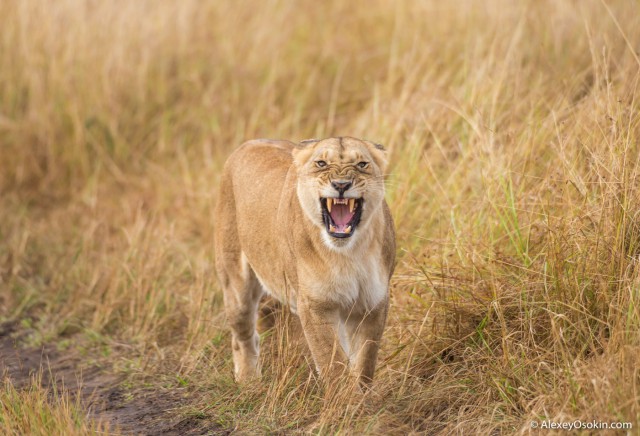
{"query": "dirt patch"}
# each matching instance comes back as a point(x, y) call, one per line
point(131, 411)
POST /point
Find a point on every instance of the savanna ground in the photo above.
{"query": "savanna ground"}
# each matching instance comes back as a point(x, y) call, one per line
point(512, 130)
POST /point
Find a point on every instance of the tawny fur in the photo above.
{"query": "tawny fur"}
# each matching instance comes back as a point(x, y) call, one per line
point(270, 237)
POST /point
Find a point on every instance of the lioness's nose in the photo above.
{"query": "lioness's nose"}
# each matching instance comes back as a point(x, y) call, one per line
point(341, 185)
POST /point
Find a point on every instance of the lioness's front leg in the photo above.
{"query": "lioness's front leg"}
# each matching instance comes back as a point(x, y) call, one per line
point(365, 333)
point(320, 322)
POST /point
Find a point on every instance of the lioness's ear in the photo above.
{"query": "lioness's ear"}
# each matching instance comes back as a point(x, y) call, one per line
point(379, 154)
point(303, 151)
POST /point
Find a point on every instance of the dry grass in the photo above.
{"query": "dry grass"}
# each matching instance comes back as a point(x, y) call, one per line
point(513, 130)
point(34, 410)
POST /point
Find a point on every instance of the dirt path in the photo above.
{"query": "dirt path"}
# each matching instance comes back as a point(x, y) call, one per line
point(138, 411)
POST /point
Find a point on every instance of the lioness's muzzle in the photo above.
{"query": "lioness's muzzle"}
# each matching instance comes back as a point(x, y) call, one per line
point(341, 216)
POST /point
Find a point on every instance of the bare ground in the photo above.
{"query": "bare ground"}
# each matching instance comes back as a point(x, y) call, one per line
point(129, 411)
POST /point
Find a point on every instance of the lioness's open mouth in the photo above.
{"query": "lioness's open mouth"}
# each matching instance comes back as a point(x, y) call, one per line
point(341, 215)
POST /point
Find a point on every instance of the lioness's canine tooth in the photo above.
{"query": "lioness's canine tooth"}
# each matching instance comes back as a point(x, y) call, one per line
point(352, 202)
point(329, 202)
point(332, 229)
point(348, 229)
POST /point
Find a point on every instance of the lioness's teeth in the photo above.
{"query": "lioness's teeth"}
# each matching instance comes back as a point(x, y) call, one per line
point(329, 203)
point(352, 203)
point(332, 229)
point(348, 229)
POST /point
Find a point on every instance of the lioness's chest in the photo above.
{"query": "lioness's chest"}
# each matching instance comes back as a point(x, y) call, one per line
point(360, 284)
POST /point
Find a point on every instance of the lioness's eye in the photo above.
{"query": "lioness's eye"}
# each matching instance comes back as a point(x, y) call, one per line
point(363, 165)
point(321, 163)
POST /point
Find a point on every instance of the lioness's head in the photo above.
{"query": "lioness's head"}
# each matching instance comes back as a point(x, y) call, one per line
point(340, 185)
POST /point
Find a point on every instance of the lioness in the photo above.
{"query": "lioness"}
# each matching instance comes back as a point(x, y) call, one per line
point(308, 224)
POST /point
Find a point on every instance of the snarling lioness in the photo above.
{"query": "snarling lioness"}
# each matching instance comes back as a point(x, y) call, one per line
point(308, 224)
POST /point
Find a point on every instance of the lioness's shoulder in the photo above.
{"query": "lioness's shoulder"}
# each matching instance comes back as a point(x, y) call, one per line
point(267, 144)
point(264, 159)
point(257, 150)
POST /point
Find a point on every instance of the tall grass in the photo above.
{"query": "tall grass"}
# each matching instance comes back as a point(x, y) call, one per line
point(35, 410)
point(513, 133)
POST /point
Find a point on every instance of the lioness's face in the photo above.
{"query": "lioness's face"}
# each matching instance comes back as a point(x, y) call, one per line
point(340, 185)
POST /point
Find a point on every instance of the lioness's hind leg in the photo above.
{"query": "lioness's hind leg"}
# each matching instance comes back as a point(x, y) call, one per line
point(242, 292)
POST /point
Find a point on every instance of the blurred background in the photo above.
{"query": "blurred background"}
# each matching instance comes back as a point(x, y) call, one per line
point(512, 130)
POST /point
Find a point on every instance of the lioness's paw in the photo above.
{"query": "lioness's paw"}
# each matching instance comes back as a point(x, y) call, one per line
point(247, 374)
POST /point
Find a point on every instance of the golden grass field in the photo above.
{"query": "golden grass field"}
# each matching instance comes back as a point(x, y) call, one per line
point(513, 132)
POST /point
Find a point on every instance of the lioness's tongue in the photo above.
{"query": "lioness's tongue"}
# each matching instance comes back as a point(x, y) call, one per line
point(341, 216)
